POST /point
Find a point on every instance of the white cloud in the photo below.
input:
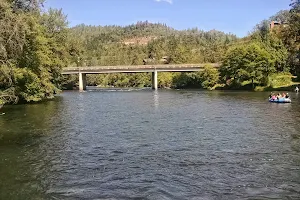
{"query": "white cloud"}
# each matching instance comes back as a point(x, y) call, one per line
point(168, 1)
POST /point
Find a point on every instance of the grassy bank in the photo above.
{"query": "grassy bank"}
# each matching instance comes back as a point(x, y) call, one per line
point(276, 82)
point(278, 88)
point(280, 82)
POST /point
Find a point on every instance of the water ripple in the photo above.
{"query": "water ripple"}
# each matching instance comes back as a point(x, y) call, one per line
point(139, 144)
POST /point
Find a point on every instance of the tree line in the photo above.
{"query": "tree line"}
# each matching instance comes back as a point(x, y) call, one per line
point(266, 51)
point(35, 45)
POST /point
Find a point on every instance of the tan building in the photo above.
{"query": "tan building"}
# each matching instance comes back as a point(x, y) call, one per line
point(274, 24)
point(277, 23)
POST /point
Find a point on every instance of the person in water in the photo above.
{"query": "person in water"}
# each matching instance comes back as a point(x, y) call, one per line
point(297, 89)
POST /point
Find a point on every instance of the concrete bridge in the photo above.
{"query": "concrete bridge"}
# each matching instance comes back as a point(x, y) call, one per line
point(82, 71)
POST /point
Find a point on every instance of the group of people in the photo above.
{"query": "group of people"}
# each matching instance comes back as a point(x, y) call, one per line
point(279, 96)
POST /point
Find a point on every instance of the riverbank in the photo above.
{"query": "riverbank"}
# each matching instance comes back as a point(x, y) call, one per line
point(220, 87)
point(280, 88)
point(167, 80)
point(290, 87)
point(277, 82)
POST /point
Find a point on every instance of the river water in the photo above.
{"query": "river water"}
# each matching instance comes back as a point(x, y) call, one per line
point(142, 144)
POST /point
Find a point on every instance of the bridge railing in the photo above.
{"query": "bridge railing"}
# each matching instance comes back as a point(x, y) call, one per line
point(167, 66)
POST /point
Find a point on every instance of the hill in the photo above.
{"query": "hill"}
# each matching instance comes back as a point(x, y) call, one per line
point(117, 45)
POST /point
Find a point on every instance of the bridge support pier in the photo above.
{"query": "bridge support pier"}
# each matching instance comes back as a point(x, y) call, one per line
point(154, 80)
point(82, 81)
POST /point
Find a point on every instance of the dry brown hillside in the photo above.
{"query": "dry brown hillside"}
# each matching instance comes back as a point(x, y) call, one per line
point(138, 40)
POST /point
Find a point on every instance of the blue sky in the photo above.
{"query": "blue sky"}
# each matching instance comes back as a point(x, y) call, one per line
point(234, 16)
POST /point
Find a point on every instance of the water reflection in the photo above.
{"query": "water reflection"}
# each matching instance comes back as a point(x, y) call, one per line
point(22, 130)
point(156, 99)
point(22, 122)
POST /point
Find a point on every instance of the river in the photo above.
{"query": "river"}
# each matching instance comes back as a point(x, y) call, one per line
point(144, 144)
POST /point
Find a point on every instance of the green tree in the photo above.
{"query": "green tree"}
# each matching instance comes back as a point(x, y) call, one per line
point(292, 36)
point(248, 62)
point(209, 77)
point(33, 50)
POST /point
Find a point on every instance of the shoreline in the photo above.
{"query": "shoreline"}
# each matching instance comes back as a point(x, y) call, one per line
point(218, 88)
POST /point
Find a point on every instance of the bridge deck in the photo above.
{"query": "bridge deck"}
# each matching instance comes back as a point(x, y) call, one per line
point(137, 68)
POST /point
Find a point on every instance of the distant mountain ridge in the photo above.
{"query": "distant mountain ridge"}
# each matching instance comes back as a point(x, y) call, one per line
point(141, 29)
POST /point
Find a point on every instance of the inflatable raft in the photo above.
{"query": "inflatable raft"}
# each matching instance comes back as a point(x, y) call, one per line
point(281, 100)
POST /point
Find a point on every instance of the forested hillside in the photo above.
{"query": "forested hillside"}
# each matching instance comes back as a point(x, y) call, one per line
point(35, 45)
point(106, 46)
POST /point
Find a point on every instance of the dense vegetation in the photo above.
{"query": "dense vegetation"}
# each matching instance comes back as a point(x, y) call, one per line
point(265, 52)
point(107, 45)
point(35, 46)
point(33, 50)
